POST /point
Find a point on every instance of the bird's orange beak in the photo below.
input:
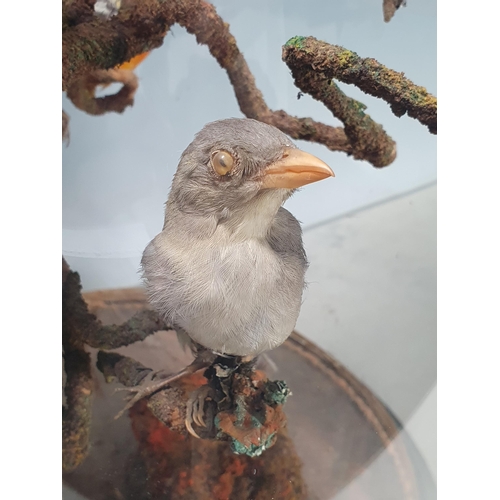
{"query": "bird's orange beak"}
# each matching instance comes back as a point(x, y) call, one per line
point(296, 168)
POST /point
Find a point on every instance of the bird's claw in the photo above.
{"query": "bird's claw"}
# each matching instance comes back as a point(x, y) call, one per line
point(148, 390)
point(195, 409)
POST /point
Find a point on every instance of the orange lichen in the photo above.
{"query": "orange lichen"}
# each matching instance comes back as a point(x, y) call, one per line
point(223, 489)
point(134, 62)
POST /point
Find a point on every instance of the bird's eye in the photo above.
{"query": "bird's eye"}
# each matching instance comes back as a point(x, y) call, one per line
point(222, 162)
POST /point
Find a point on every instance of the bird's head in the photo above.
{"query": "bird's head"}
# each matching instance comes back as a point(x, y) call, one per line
point(236, 165)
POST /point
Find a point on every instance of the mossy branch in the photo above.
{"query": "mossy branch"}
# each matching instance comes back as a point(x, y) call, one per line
point(308, 55)
point(368, 139)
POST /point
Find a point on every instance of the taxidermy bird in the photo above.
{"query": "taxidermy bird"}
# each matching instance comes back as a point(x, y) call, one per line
point(227, 270)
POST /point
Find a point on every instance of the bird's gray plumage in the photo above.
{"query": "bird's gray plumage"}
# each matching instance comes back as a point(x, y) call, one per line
point(228, 267)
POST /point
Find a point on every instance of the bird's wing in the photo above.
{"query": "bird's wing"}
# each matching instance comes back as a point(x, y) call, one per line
point(285, 236)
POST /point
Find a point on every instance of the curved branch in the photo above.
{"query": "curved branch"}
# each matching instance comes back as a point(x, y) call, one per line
point(369, 140)
point(82, 91)
point(308, 54)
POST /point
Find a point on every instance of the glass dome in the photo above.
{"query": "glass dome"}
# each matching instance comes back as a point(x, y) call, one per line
point(362, 367)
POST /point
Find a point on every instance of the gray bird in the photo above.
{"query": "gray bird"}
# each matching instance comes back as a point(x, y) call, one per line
point(228, 268)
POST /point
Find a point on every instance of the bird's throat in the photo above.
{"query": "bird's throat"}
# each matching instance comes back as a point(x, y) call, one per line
point(254, 219)
point(250, 220)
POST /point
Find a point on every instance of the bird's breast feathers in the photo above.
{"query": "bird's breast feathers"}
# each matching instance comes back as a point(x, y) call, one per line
point(238, 298)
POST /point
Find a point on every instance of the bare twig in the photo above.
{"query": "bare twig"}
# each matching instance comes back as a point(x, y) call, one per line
point(306, 54)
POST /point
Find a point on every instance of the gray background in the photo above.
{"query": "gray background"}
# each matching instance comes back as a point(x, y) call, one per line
point(369, 233)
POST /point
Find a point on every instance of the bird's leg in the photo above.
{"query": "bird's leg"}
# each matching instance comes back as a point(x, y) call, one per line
point(142, 392)
point(222, 369)
point(195, 408)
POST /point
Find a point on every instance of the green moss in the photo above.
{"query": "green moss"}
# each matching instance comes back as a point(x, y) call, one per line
point(357, 107)
point(420, 97)
point(296, 41)
point(220, 434)
point(346, 57)
point(256, 422)
point(276, 393)
point(252, 450)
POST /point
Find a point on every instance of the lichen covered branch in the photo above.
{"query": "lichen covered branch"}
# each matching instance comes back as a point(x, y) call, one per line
point(308, 55)
point(368, 139)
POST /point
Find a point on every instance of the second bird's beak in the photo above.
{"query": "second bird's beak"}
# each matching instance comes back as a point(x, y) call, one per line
point(296, 168)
